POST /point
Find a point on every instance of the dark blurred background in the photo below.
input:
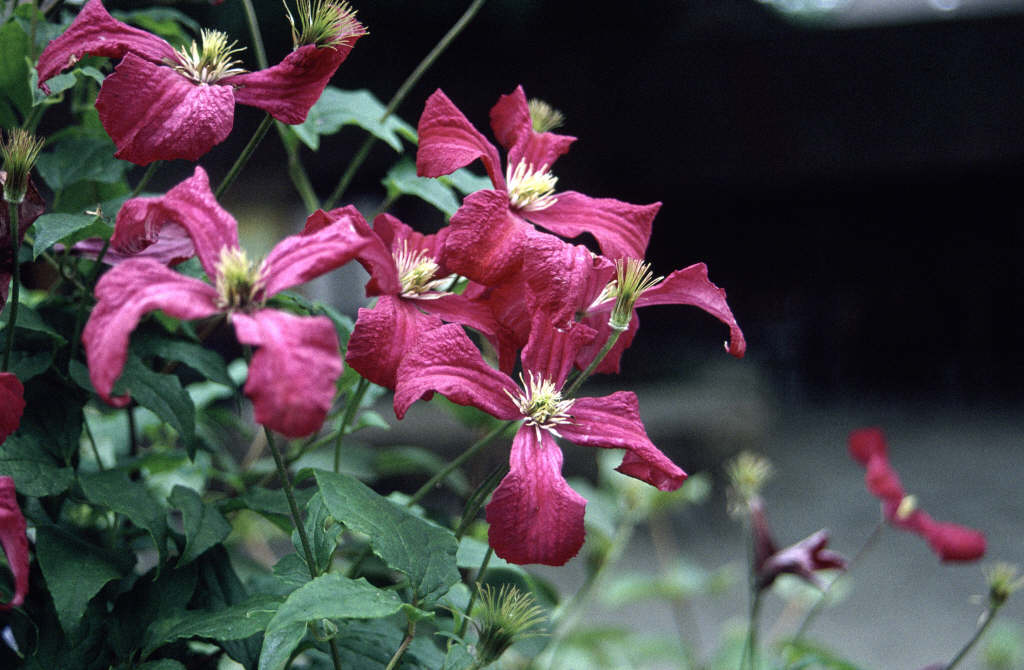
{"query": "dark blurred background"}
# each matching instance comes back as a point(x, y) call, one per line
point(849, 170)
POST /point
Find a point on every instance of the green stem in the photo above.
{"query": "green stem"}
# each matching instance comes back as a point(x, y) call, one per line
point(350, 411)
point(254, 33)
point(986, 619)
point(92, 443)
point(84, 301)
point(399, 96)
point(293, 506)
point(479, 497)
point(244, 157)
point(296, 171)
point(12, 319)
point(472, 596)
point(406, 641)
point(750, 648)
point(146, 176)
point(612, 339)
point(459, 460)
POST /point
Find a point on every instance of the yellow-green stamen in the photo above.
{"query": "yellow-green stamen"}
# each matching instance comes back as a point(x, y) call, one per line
point(211, 62)
point(541, 405)
point(239, 280)
point(416, 270)
point(19, 154)
point(632, 278)
point(326, 23)
point(529, 189)
point(544, 117)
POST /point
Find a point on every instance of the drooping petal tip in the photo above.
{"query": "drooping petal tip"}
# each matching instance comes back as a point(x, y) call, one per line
point(14, 541)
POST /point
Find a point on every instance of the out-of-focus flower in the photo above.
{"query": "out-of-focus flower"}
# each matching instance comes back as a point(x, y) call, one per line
point(12, 404)
point(950, 541)
point(802, 559)
point(161, 103)
point(14, 541)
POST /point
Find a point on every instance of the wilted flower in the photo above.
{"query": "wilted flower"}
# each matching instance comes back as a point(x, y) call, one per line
point(14, 541)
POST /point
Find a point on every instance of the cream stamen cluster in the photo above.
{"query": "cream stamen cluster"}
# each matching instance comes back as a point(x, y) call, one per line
point(239, 280)
point(542, 404)
point(416, 270)
point(529, 189)
point(632, 278)
point(212, 61)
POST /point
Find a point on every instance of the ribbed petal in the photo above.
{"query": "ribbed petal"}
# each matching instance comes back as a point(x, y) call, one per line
point(454, 308)
point(614, 421)
point(377, 259)
point(510, 121)
point(12, 404)
point(294, 370)
point(535, 517)
point(551, 351)
point(448, 141)
point(14, 541)
point(190, 205)
point(287, 90)
point(172, 246)
point(611, 363)
point(485, 240)
point(97, 33)
point(154, 113)
point(124, 294)
point(564, 278)
point(383, 335)
point(446, 361)
point(622, 230)
point(510, 305)
point(329, 240)
point(691, 286)
point(30, 209)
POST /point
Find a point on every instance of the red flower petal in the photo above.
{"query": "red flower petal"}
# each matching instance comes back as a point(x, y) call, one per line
point(14, 541)
point(154, 113)
point(190, 205)
point(614, 422)
point(535, 516)
point(448, 141)
point(882, 481)
point(953, 542)
point(287, 90)
point(551, 351)
point(622, 229)
point(96, 33)
point(865, 443)
point(485, 241)
point(512, 126)
point(12, 404)
point(294, 370)
point(124, 294)
point(383, 335)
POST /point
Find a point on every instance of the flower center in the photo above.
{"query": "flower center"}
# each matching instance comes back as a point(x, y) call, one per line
point(416, 270)
point(212, 61)
point(632, 278)
point(906, 507)
point(542, 405)
point(239, 280)
point(325, 23)
point(530, 189)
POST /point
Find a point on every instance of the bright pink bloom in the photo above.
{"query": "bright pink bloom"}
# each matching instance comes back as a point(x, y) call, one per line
point(409, 280)
point(293, 373)
point(802, 559)
point(30, 209)
point(534, 516)
point(489, 233)
point(14, 541)
point(158, 106)
point(950, 541)
point(12, 404)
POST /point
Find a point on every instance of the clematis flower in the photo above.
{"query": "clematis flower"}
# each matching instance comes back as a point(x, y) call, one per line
point(30, 209)
point(406, 275)
point(950, 541)
point(161, 103)
point(534, 516)
point(490, 231)
point(802, 559)
point(14, 541)
point(12, 404)
point(293, 372)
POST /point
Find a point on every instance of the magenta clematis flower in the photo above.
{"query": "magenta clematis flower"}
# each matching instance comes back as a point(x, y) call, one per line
point(802, 559)
point(490, 232)
point(12, 404)
point(293, 372)
point(406, 275)
point(950, 541)
point(161, 103)
point(534, 516)
point(14, 541)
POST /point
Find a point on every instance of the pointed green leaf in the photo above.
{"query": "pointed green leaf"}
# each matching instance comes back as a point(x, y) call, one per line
point(322, 532)
point(66, 229)
point(236, 622)
point(162, 394)
point(402, 180)
point(337, 108)
point(93, 161)
point(204, 361)
point(115, 490)
point(204, 526)
point(466, 182)
point(424, 552)
point(29, 319)
point(35, 471)
point(13, 68)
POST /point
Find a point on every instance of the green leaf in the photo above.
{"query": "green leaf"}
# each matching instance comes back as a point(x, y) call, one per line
point(330, 596)
point(466, 182)
point(148, 600)
point(459, 657)
point(322, 532)
point(371, 644)
point(162, 664)
point(81, 158)
point(74, 570)
point(57, 85)
point(29, 319)
point(204, 526)
point(14, 77)
point(66, 229)
point(25, 366)
point(337, 108)
point(424, 552)
point(166, 22)
point(204, 361)
point(113, 489)
point(163, 395)
point(220, 588)
point(402, 180)
point(236, 622)
point(35, 471)
point(403, 461)
point(53, 416)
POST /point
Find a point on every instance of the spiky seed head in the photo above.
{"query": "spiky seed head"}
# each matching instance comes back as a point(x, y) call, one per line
point(1003, 580)
point(239, 280)
point(503, 617)
point(324, 23)
point(19, 151)
point(544, 117)
point(747, 473)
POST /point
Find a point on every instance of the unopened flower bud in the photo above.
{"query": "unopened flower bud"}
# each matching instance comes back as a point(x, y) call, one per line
point(19, 152)
point(544, 117)
point(324, 23)
point(506, 615)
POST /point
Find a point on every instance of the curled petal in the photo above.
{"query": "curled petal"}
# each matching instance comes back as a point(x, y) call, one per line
point(621, 229)
point(564, 279)
point(293, 372)
point(485, 240)
point(287, 90)
point(192, 206)
point(124, 294)
point(14, 541)
point(383, 335)
point(448, 141)
point(12, 404)
point(952, 542)
point(535, 517)
point(691, 286)
point(97, 33)
point(173, 246)
point(329, 240)
point(154, 113)
point(551, 351)
point(513, 127)
point(802, 559)
point(614, 421)
point(446, 361)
